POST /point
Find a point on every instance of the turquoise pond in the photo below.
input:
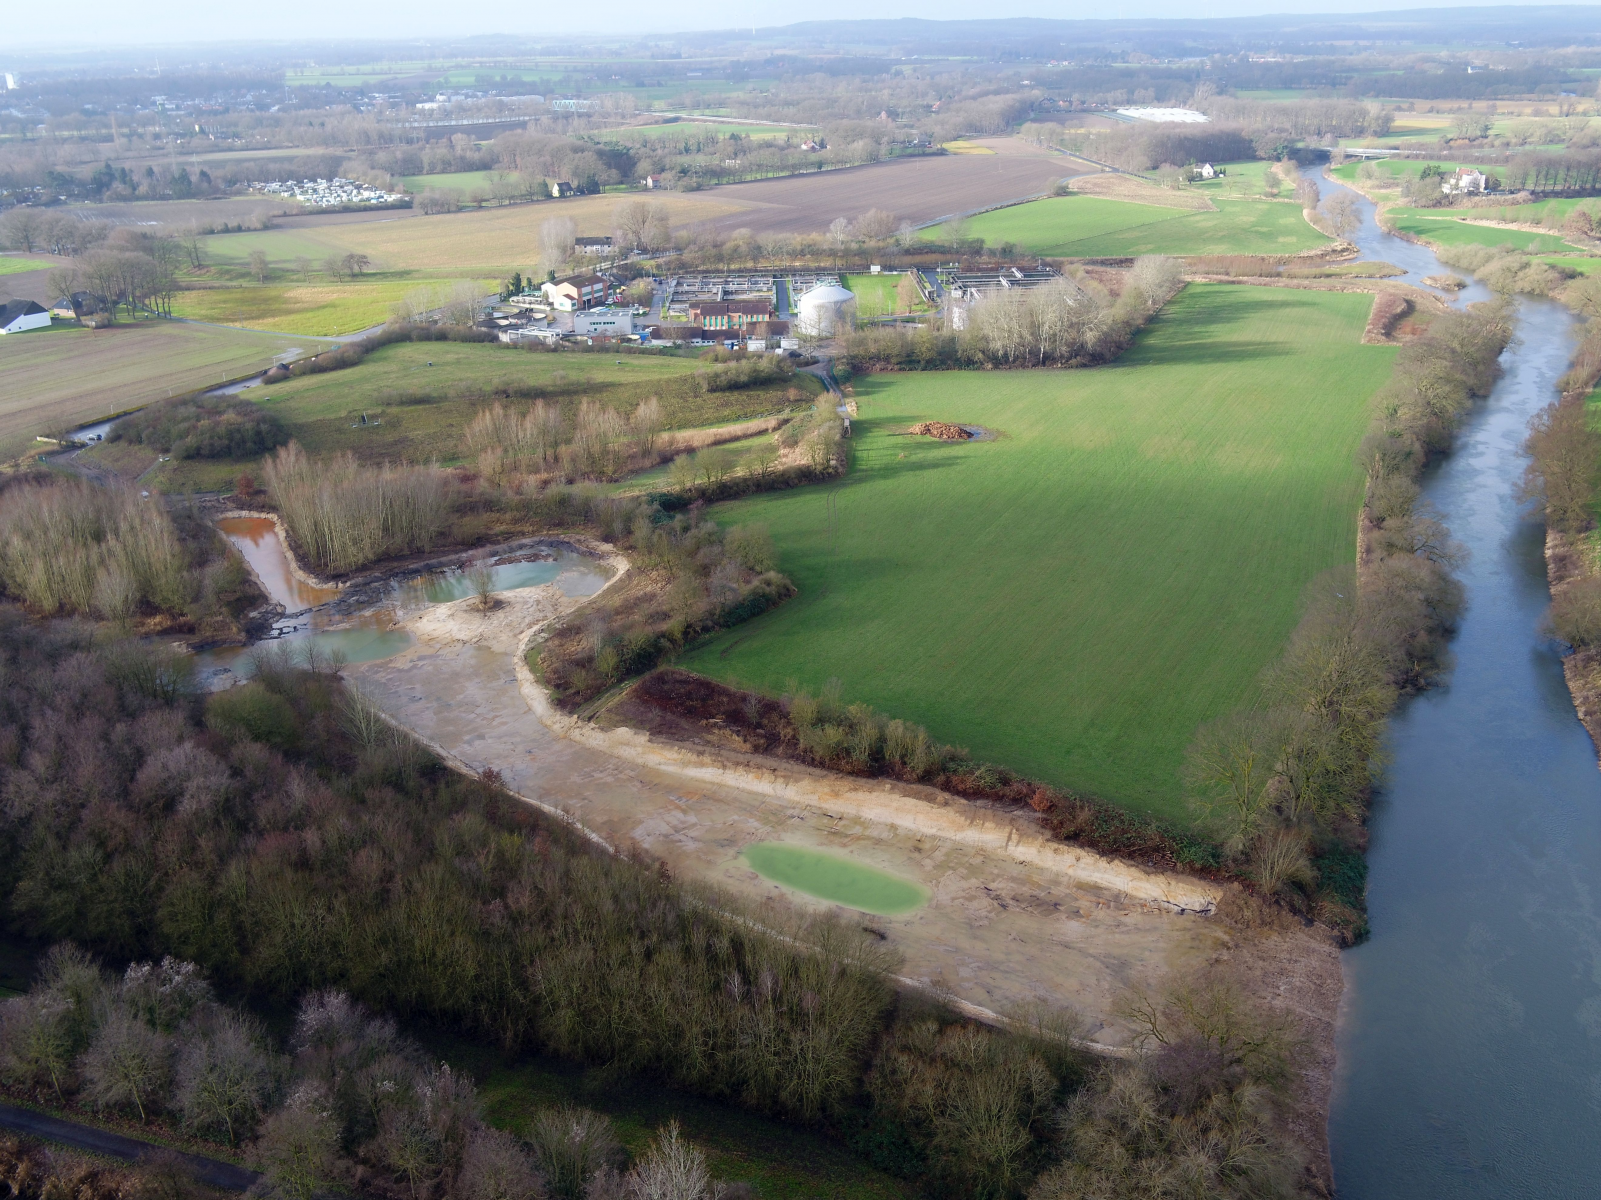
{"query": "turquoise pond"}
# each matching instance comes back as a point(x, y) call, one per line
point(835, 879)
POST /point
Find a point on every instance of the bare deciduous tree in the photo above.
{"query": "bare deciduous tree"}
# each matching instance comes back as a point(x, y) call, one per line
point(128, 1064)
point(258, 265)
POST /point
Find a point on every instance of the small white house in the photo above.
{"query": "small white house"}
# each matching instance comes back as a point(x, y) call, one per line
point(19, 315)
point(1465, 180)
point(593, 245)
point(1206, 171)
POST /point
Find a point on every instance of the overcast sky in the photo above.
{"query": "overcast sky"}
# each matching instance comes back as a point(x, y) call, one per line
point(112, 22)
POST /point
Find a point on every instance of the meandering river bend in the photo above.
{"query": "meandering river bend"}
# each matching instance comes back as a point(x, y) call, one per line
point(1470, 1033)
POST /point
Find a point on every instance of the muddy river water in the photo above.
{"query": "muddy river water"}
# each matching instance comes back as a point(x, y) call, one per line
point(1470, 1031)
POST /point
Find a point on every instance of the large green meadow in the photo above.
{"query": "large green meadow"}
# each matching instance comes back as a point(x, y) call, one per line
point(1094, 227)
point(1075, 597)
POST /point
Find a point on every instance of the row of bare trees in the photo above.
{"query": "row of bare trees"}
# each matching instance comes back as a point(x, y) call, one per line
point(602, 443)
point(344, 515)
point(1291, 774)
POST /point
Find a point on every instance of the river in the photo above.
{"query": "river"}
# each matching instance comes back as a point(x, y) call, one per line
point(1470, 1030)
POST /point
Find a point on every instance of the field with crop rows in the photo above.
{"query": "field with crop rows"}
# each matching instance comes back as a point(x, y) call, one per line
point(423, 394)
point(66, 376)
point(1094, 227)
point(1075, 597)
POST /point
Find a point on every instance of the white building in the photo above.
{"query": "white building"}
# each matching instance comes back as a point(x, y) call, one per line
point(1465, 180)
point(1206, 171)
point(826, 310)
point(604, 322)
point(1185, 116)
point(593, 245)
point(19, 315)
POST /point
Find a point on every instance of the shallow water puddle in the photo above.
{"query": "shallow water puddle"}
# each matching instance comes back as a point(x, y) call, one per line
point(838, 880)
point(364, 630)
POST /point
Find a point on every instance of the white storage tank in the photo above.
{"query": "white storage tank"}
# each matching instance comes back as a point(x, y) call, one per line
point(826, 310)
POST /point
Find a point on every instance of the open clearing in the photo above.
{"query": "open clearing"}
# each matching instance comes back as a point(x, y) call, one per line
point(452, 180)
point(425, 408)
point(1434, 225)
point(15, 264)
point(61, 377)
point(315, 310)
point(877, 294)
point(1095, 227)
point(1073, 599)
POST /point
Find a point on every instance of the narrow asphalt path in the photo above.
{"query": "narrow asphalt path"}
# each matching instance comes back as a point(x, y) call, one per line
point(209, 1171)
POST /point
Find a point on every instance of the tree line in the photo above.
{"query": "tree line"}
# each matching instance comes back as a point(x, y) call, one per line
point(1283, 784)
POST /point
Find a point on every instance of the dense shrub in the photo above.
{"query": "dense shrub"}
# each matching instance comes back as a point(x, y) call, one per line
point(203, 427)
point(69, 546)
point(344, 515)
point(1564, 463)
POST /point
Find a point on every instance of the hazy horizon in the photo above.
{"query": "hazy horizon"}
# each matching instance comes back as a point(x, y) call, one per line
point(99, 24)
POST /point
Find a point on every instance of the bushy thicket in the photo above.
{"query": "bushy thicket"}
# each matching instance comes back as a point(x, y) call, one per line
point(1069, 322)
point(289, 841)
point(69, 546)
point(690, 578)
point(1505, 269)
point(203, 427)
point(1284, 784)
point(343, 515)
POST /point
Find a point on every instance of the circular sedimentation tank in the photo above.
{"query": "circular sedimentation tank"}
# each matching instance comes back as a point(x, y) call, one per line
point(826, 310)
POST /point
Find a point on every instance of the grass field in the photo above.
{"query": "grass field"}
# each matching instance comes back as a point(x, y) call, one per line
point(702, 129)
point(461, 181)
point(1432, 225)
point(11, 265)
point(421, 421)
point(1074, 598)
point(1092, 227)
point(58, 378)
point(493, 240)
point(876, 293)
point(313, 310)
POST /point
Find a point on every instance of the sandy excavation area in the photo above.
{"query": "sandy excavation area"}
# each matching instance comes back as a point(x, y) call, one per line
point(996, 933)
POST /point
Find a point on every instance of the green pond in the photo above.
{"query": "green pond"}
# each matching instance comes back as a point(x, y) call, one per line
point(835, 879)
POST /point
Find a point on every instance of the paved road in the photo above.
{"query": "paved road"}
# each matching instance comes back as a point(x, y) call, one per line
point(98, 1141)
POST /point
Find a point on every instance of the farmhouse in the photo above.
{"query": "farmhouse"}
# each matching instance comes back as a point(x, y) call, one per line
point(730, 314)
point(18, 315)
point(1465, 180)
point(593, 245)
point(70, 308)
point(1206, 171)
point(579, 292)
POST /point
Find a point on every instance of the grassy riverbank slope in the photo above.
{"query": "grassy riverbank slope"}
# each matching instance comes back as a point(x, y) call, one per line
point(1074, 598)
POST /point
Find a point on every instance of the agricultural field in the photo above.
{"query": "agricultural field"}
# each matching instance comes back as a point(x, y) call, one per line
point(418, 398)
point(65, 376)
point(314, 310)
point(917, 189)
point(495, 241)
point(1443, 226)
point(1075, 597)
point(1092, 227)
